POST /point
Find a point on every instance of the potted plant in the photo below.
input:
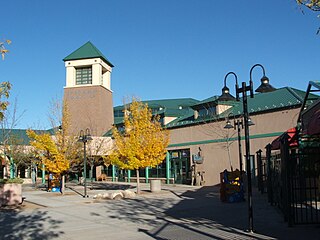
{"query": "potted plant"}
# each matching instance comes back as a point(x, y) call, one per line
point(10, 191)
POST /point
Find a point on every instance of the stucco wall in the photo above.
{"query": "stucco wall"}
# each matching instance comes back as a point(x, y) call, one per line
point(207, 136)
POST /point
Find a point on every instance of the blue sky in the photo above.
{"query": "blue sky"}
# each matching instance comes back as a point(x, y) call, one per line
point(160, 49)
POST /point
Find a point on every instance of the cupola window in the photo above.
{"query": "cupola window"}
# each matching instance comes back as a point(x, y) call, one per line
point(84, 75)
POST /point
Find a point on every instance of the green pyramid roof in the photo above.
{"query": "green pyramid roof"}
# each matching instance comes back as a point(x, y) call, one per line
point(86, 51)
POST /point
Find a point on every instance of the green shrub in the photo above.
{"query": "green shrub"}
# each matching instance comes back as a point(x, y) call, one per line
point(11, 180)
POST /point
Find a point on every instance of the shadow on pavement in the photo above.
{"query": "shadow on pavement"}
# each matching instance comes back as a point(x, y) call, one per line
point(199, 214)
point(16, 225)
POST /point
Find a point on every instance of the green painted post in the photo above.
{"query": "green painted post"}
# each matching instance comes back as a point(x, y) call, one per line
point(43, 175)
point(113, 173)
point(168, 167)
point(129, 175)
point(147, 174)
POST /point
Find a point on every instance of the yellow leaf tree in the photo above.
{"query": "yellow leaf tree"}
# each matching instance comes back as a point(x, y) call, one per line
point(3, 49)
point(4, 86)
point(59, 150)
point(4, 94)
point(143, 141)
point(67, 143)
point(48, 152)
point(314, 5)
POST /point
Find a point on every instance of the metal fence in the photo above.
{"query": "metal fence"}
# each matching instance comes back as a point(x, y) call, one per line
point(304, 182)
point(292, 180)
point(262, 172)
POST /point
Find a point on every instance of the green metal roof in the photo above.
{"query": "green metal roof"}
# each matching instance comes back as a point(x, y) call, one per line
point(262, 102)
point(207, 101)
point(108, 133)
point(281, 98)
point(88, 50)
point(17, 136)
point(167, 107)
point(118, 120)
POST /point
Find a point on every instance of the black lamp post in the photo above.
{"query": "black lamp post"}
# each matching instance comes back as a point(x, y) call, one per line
point(238, 124)
point(244, 90)
point(264, 87)
point(85, 137)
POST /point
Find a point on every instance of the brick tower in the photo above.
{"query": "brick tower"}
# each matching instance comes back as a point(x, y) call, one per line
point(88, 90)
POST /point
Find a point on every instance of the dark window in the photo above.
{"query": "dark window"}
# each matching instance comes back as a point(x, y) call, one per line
point(158, 171)
point(83, 76)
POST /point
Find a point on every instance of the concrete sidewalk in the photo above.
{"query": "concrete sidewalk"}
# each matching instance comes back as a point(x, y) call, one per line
point(177, 212)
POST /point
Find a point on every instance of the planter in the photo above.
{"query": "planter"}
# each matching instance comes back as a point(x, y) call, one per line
point(10, 194)
point(155, 185)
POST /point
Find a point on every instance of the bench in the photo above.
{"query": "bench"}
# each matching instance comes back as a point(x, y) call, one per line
point(143, 179)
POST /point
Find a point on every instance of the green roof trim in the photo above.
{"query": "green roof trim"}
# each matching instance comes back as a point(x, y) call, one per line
point(88, 50)
point(265, 135)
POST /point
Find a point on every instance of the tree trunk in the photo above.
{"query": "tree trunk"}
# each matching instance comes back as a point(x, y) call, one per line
point(15, 170)
point(91, 175)
point(48, 181)
point(63, 178)
point(91, 172)
point(138, 181)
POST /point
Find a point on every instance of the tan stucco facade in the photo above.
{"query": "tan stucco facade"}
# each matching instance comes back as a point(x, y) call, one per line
point(210, 137)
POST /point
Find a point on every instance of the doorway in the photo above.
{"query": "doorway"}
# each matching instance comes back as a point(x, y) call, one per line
point(180, 166)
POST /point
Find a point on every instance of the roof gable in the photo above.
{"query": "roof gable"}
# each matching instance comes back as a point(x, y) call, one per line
point(88, 50)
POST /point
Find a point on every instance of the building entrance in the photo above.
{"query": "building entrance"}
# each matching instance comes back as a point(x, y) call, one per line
point(180, 166)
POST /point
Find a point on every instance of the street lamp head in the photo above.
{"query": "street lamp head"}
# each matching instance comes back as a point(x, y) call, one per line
point(85, 136)
point(81, 136)
point(228, 125)
point(265, 86)
point(250, 123)
point(88, 135)
point(226, 96)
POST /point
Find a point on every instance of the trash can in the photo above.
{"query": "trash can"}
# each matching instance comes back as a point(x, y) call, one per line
point(155, 185)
